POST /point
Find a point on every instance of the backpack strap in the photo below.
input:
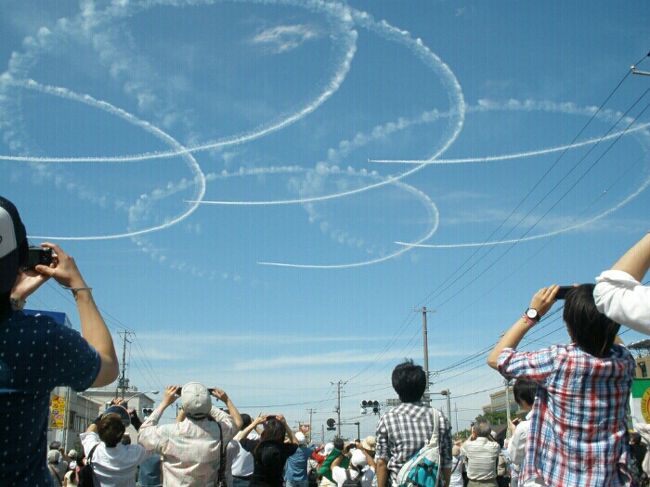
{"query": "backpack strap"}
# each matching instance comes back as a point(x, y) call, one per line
point(89, 460)
point(222, 455)
point(435, 435)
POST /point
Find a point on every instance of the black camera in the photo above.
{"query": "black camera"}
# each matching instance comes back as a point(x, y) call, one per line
point(38, 256)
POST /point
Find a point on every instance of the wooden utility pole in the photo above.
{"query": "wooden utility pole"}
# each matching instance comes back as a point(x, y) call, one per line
point(425, 346)
point(123, 383)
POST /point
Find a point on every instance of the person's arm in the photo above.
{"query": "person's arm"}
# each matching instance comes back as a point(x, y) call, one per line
point(243, 434)
point(382, 453)
point(619, 293)
point(337, 462)
point(382, 473)
point(636, 261)
point(93, 328)
point(542, 301)
point(232, 409)
point(445, 448)
point(148, 435)
point(290, 433)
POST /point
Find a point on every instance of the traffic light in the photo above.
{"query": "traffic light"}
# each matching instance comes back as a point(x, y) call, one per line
point(373, 405)
point(331, 424)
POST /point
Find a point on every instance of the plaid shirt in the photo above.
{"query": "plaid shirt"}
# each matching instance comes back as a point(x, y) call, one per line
point(578, 429)
point(403, 430)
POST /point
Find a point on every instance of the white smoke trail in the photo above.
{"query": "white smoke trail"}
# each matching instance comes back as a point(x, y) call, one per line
point(348, 40)
point(456, 113)
point(199, 177)
point(516, 155)
point(432, 210)
point(576, 226)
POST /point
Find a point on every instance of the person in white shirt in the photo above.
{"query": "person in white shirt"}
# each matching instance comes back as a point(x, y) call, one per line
point(457, 468)
point(481, 452)
point(524, 391)
point(358, 467)
point(191, 448)
point(114, 464)
point(619, 293)
point(240, 454)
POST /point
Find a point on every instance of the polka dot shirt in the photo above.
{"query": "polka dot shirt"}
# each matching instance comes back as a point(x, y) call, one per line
point(36, 355)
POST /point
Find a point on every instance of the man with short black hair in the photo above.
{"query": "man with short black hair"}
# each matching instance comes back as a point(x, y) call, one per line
point(578, 429)
point(405, 429)
point(481, 453)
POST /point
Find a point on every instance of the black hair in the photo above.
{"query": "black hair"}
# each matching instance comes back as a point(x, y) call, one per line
point(110, 429)
point(246, 420)
point(338, 443)
point(591, 330)
point(274, 431)
point(409, 381)
point(524, 391)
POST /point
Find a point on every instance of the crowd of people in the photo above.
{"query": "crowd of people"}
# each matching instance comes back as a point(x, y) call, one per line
point(575, 396)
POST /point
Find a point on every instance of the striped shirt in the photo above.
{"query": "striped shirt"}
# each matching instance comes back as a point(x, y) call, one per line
point(404, 430)
point(481, 455)
point(578, 432)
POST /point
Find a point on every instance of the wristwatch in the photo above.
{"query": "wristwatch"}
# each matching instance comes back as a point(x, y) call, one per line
point(531, 316)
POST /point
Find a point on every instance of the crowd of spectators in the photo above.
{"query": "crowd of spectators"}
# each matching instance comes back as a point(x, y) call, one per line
point(575, 396)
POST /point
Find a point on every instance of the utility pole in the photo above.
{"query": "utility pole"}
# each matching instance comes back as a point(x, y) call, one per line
point(338, 406)
point(447, 393)
point(456, 411)
point(322, 434)
point(425, 343)
point(507, 382)
point(122, 384)
point(311, 411)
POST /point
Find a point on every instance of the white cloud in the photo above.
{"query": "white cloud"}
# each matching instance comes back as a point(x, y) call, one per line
point(329, 358)
point(285, 38)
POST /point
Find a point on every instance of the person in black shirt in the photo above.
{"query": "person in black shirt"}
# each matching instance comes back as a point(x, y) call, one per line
point(272, 452)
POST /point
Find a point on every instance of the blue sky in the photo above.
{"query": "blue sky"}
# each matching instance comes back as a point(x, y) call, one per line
point(208, 165)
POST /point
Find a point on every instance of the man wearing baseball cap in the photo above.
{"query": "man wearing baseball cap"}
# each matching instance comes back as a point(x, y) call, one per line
point(37, 354)
point(192, 447)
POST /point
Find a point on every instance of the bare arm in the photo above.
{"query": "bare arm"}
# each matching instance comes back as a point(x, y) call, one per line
point(246, 431)
point(292, 436)
point(382, 473)
point(64, 270)
point(337, 461)
point(636, 260)
point(542, 302)
point(232, 409)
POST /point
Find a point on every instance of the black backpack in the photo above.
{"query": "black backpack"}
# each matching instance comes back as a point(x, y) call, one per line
point(86, 473)
point(350, 482)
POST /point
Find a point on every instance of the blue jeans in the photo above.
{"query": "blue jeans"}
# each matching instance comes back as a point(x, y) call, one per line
point(240, 482)
point(295, 483)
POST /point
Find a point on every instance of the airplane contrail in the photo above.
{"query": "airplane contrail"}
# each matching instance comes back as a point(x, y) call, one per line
point(199, 177)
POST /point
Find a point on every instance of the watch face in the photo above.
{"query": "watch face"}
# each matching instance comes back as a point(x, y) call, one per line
point(532, 313)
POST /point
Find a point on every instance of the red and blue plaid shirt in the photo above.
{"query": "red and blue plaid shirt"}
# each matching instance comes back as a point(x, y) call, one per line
point(578, 428)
